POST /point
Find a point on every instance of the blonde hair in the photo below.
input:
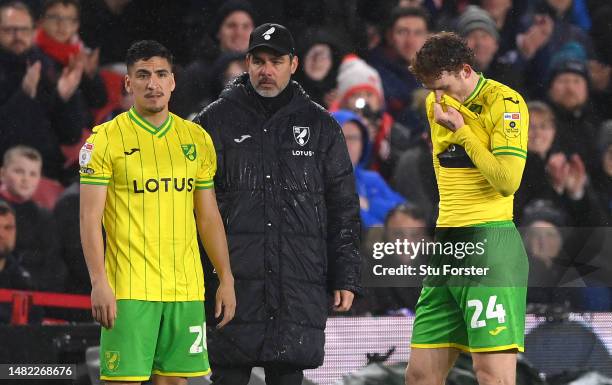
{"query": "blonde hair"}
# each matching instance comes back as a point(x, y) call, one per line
point(21, 150)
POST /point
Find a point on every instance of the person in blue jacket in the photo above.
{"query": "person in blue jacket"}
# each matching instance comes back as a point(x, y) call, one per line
point(376, 198)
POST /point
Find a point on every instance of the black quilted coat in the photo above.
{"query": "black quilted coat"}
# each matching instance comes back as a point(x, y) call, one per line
point(286, 193)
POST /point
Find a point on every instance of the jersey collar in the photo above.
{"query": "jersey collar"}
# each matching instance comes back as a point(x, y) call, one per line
point(479, 85)
point(144, 124)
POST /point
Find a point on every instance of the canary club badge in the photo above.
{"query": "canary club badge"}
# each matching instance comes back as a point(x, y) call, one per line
point(301, 135)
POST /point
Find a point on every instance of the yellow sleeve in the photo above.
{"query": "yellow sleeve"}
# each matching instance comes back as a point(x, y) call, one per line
point(510, 119)
point(208, 163)
point(95, 166)
point(502, 164)
point(429, 110)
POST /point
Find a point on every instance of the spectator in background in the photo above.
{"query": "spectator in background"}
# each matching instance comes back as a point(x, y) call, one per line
point(600, 68)
point(376, 198)
point(481, 34)
point(360, 90)
point(405, 34)
point(66, 214)
point(34, 111)
point(554, 175)
point(602, 179)
point(544, 36)
point(577, 122)
point(37, 241)
point(109, 26)
point(506, 15)
point(541, 144)
point(572, 11)
point(58, 39)
point(12, 274)
point(549, 265)
point(195, 87)
point(225, 69)
point(556, 275)
point(320, 55)
point(414, 176)
point(234, 22)
point(405, 222)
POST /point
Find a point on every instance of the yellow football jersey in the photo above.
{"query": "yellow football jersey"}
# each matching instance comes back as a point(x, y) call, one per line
point(151, 173)
point(499, 118)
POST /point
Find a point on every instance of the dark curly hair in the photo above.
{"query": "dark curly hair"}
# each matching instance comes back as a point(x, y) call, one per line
point(444, 51)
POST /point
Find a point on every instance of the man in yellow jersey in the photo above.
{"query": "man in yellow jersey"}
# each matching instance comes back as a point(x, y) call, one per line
point(142, 176)
point(479, 135)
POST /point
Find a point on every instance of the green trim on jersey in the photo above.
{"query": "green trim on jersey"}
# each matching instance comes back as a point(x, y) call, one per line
point(96, 180)
point(510, 150)
point(144, 124)
point(204, 184)
point(481, 82)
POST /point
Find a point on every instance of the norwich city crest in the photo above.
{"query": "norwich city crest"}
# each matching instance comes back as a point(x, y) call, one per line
point(189, 150)
point(111, 358)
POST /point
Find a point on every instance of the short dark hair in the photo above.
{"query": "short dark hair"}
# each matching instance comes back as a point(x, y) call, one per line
point(399, 12)
point(5, 208)
point(16, 5)
point(51, 3)
point(444, 51)
point(146, 49)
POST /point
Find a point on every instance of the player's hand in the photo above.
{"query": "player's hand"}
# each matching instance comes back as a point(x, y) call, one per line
point(29, 84)
point(451, 118)
point(225, 302)
point(103, 304)
point(343, 300)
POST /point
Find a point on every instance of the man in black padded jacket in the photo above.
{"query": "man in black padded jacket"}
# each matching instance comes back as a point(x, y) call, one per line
point(286, 192)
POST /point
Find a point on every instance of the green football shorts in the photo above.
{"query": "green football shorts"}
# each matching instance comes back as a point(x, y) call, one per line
point(163, 338)
point(468, 311)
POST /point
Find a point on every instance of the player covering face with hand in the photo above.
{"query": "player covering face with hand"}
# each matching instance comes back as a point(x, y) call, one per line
point(479, 136)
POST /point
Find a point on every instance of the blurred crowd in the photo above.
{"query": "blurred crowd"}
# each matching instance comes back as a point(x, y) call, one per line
point(61, 73)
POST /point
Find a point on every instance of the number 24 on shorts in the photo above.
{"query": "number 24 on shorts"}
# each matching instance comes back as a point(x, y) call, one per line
point(199, 345)
point(493, 311)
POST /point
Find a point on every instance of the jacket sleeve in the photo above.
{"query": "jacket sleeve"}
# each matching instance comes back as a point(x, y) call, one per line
point(343, 230)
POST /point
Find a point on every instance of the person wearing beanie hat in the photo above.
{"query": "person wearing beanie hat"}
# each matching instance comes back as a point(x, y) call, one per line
point(360, 90)
point(356, 79)
point(476, 18)
point(376, 198)
point(577, 120)
point(286, 190)
point(477, 27)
